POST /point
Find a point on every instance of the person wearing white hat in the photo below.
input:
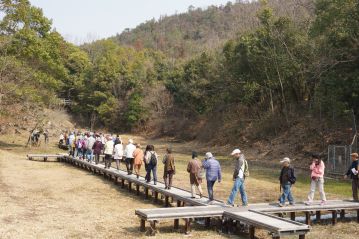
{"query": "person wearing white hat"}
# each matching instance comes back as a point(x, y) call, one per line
point(108, 151)
point(240, 172)
point(287, 179)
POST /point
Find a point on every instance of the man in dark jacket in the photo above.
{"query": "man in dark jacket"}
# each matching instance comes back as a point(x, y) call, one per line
point(353, 174)
point(286, 179)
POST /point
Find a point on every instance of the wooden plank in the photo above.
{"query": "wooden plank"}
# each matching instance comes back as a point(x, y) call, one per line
point(271, 223)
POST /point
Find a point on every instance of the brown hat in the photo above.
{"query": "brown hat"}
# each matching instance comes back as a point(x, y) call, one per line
point(355, 155)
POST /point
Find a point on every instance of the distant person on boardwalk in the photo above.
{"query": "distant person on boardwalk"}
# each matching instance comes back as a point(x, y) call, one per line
point(118, 153)
point(151, 160)
point(353, 172)
point(108, 151)
point(169, 168)
point(46, 137)
point(130, 148)
point(90, 142)
point(286, 179)
point(213, 173)
point(194, 168)
point(97, 149)
point(240, 173)
point(72, 146)
point(138, 156)
point(317, 180)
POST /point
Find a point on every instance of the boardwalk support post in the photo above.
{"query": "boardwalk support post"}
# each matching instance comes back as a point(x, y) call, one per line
point(137, 189)
point(342, 214)
point(302, 236)
point(334, 217)
point(167, 203)
point(252, 232)
point(307, 218)
point(143, 225)
point(188, 226)
point(292, 216)
point(146, 193)
point(318, 216)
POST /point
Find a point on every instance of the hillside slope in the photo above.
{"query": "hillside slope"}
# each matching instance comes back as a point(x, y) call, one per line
point(186, 34)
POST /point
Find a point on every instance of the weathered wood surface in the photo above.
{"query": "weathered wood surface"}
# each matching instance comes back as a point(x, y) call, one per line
point(277, 225)
point(174, 192)
point(180, 212)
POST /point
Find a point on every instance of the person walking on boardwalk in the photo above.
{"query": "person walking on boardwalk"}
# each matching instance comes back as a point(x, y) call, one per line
point(130, 148)
point(108, 151)
point(90, 142)
point(97, 149)
point(169, 168)
point(138, 159)
point(118, 153)
point(151, 159)
point(213, 173)
point(287, 179)
point(317, 180)
point(194, 168)
point(240, 173)
point(72, 146)
point(353, 173)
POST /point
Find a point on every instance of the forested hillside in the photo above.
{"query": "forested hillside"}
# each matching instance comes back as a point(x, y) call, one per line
point(183, 35)
point(239, 73)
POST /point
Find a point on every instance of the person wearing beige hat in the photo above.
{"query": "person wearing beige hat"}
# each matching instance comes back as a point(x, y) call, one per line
point(287, 179)
point(353, 172)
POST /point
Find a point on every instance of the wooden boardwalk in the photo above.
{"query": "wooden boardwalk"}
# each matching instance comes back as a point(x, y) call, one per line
point(264, 215)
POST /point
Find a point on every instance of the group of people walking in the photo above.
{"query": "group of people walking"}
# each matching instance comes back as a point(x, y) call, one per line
point(90, 146)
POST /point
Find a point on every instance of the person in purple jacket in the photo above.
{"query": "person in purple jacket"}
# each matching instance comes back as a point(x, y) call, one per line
point(97, 149)
point(213, 173)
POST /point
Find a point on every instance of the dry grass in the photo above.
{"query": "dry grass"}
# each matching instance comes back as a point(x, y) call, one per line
point(52, 200)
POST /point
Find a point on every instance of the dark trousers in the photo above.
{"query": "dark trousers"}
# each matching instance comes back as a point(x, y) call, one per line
point(168, 175)
point(210, 185)
point(355, 186)
point(129, 165)
point(97, 158)
point(149, 169)
point(108, 159)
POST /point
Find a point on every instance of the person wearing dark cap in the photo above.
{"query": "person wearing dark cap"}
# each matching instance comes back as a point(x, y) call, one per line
point(194, 168)
point(353, 172)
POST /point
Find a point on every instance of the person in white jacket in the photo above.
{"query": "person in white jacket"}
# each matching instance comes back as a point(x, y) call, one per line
point(130, 148)
point(118, 153)
point(108, 151)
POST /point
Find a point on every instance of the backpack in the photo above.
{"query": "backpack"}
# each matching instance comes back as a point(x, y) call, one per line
point(153, 159)
point(292, 178)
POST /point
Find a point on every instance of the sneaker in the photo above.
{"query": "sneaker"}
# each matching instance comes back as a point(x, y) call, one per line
point(229, 205)
point(322, 203)
point(292, 203)
point(308, 203)
point(280, 205)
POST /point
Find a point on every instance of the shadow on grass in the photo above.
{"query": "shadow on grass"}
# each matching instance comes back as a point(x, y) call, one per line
point(5, 145)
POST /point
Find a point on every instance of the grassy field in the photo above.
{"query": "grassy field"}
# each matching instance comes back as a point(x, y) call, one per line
point(53, 200)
